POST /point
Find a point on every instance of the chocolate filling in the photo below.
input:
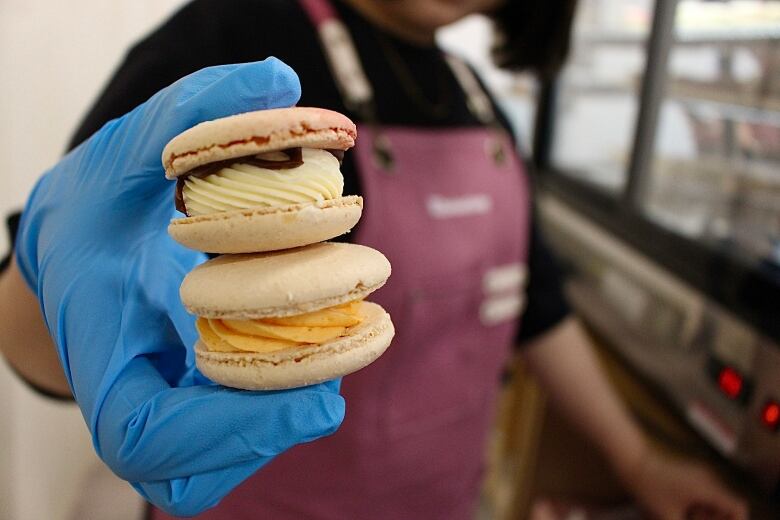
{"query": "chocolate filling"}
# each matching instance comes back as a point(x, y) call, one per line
point(287, 159)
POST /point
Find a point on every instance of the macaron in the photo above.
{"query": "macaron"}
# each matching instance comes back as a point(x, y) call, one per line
point(262, 181)
point(288, 318)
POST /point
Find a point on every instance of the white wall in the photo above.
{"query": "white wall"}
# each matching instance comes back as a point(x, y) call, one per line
point(54, 57)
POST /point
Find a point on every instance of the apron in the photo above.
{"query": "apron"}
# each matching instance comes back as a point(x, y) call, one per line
point(450, 210)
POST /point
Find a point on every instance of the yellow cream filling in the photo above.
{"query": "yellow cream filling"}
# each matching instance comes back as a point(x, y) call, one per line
point(271, 334)
point(243, 186)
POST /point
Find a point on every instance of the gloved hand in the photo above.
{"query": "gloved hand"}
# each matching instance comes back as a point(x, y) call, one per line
point(93, 246)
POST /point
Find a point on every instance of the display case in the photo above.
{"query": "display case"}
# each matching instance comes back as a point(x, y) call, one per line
point(715, 172)
point(599, 89)
point(658, 151)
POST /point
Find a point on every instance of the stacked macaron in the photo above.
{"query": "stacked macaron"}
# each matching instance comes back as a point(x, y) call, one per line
point(280, 308)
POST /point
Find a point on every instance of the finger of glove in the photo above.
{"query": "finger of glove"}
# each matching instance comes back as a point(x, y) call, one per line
point(161, 267)
point(128, 303)
point(116, 339)
point(192, 495)
point(156, 286)
point(210, 93)
point(148, 431)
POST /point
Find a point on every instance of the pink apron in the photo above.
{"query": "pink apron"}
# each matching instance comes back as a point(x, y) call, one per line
point(452, 216)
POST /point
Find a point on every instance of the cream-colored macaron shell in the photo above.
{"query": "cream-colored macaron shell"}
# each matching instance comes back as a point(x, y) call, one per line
point(257, 132)
point(301, 366)
point(267, 228)
point(283, 283)
point(262, 228)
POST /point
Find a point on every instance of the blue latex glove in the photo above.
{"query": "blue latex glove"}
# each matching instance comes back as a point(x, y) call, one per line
point(93, 245)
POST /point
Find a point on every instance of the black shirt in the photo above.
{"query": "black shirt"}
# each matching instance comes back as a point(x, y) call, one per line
point(213, 32)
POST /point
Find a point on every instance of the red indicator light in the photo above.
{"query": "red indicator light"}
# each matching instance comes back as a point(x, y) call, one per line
point(730, 382)
point(770, 415)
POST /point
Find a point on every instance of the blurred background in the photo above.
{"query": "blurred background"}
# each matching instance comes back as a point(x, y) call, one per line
point(54, 57)
point(657, 156)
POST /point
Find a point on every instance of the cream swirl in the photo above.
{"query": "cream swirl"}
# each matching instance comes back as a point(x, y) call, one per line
point(271, 334)
point(243, 186)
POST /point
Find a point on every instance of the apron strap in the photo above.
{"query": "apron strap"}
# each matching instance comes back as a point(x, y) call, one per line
point(477, 100)
point(342, 57)
point(351, 80)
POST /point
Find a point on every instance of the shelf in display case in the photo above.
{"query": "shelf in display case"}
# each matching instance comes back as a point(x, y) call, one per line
point(727, 21)
point(728, 34)
point(583, 88)
point(731, 107)
point(735, 99)
point(614, 37)
point(720, 201)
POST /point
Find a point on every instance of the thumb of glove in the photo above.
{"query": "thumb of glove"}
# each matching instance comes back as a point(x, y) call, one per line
point(210, 93)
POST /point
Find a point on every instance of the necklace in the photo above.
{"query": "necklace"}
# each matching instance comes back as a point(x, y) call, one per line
point(437, 109)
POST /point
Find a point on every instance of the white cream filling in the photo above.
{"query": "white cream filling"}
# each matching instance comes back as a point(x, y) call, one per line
point(243, 186)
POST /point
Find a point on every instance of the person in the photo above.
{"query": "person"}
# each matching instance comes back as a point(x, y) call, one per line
point(433, 144)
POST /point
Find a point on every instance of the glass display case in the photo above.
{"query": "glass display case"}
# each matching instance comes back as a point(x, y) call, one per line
point(665, 129)
point(598, 91)
point(715, 172)
point(658, 151)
